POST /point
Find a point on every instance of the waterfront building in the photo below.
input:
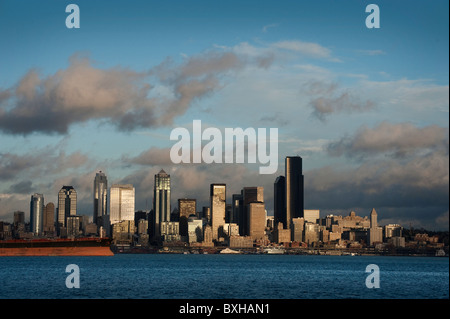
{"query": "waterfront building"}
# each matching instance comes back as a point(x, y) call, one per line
point(170, 231)
point(67, 205)
point(281, 235)
point(36, 214)
point(311, 233)
point(121, 203)
point(195, 229)
point(123, 232)
point(297, 226)
point(100, 196)
point(161, 202)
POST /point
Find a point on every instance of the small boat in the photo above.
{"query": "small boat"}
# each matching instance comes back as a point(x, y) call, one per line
point(274, 250)
point(229, 251)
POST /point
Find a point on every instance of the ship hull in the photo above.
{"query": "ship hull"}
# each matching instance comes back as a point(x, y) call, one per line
point(56, 251)
point(59, 247)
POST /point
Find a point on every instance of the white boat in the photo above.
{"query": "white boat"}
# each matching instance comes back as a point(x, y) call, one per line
point(274, 250)
point(229, 251)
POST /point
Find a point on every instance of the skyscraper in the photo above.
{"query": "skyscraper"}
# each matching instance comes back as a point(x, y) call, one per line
point(161, 202)
point(121, 203)
point(279, 204)
point(100, 195)
point(186, 208)
point(250, 195)
point(36, 214)
point(67, 204)
point(375, 233)
point(294, 188)
point(49, 218)
point(218, 203)
point(256, 220)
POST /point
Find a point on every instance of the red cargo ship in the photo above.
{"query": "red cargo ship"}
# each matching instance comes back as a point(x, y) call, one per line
point(57, 247)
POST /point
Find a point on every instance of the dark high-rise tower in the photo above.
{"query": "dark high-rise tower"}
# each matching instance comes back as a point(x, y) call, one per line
point(294, 188)
point(100, 195)
point(161, 201)
point(279, 201)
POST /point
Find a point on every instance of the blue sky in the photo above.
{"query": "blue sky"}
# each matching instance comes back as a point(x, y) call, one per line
point(311, 68)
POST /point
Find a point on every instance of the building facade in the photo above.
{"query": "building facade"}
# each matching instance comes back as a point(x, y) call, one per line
point(218, 204)
point(67, 204)
point(294, 188)
point(100, 195)
point(121, 203)
point(37, 214)
point(161, 202)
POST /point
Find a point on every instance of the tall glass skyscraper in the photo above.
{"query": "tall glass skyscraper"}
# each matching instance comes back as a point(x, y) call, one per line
point(100, 195)
point(37, 214)
point(121, 203)
point(67, 204)
point(161, 201)
point(294, 188)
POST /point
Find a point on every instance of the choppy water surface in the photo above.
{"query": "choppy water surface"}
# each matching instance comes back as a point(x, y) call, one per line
point(224, 276)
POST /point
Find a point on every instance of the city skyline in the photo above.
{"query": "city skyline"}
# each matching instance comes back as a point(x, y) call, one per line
point(121, 203)
point(366, 109)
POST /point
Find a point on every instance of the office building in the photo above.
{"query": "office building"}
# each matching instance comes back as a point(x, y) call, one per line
point(170, 231)
point(36, 214)
point(67, 204)
point(237, 204)
point(297, 225)
point(123, 231)
point(195, 230)
point(218, 204)
point(249, 195)
point(121, 203)
point(161, 202)
point(186, 208)
point(279, 198)
point(393, 230)
point(311, 215)
point(294, 188)
point(256, 220)
point(19, 217)
point(375, 233)
point(100, 196)
point(73, 225)
point(49, 218)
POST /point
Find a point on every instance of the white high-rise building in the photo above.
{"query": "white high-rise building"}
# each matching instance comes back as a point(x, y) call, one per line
point(37, 214)
point(121, 203)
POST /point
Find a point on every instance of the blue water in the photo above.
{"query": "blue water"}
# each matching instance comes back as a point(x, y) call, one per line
point(224, 277)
